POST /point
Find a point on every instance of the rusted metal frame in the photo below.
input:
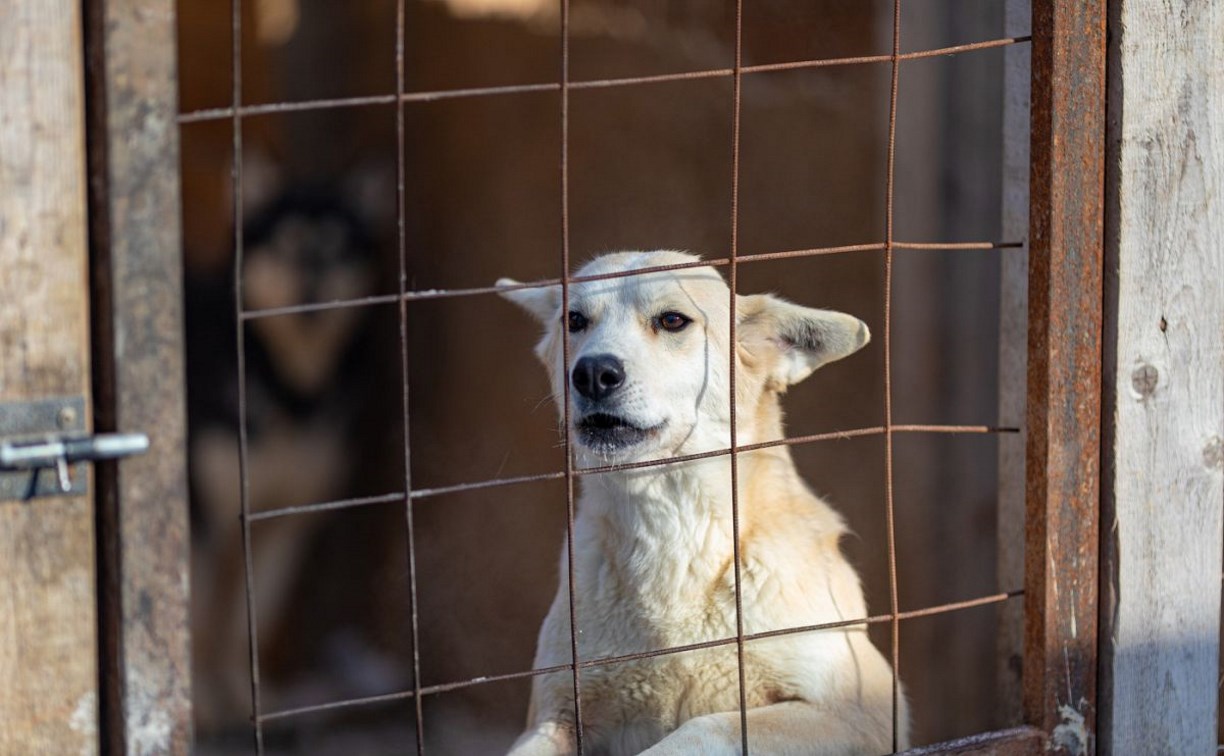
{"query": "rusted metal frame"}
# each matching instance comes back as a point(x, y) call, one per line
point(137, 321)
point(1017, 741)
point(1064, 371)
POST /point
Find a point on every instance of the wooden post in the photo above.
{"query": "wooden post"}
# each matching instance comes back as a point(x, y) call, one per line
point(48, 651)
point(143, 532)
point(1164, 379)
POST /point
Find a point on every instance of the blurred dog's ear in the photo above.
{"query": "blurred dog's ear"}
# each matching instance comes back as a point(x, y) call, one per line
point(789, 341)
point(543, 302)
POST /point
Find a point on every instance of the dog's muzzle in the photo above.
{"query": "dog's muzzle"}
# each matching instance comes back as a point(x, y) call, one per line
point(606, 433)
point(597, 377)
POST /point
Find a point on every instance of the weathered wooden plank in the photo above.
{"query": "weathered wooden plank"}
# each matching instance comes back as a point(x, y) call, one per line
point(48, 670)
point(1164, 483)
point(1064, 371)
point(139, 375)
point(1013, 357)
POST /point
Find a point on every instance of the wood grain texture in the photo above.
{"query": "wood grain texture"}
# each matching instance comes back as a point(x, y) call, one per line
point(139, 376)
point(48, 669)
point(1165, 379)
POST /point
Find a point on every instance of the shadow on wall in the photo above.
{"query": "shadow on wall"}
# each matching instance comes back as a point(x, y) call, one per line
point(649, 168)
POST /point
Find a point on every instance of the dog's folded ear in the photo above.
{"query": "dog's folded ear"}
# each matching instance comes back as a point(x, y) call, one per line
point(543, 302)
point(789, 341)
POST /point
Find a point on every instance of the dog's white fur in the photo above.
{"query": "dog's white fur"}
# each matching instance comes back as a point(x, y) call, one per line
point(653, 564)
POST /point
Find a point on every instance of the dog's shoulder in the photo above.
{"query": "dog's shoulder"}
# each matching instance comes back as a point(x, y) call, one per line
point(783, 510)
point(792, 551)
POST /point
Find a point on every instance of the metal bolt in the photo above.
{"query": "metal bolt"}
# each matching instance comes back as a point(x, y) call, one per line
point(66, 418)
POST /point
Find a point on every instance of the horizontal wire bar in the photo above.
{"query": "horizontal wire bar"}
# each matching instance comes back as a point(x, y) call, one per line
point(362, 501)
point(407, 694)
point(886, 57)
point(412, 296)
point(335, 103)
point(245, 111)
point(955, 246)
point(345, 704)
point(335, 304)
point(425, 493)
point(948, 608)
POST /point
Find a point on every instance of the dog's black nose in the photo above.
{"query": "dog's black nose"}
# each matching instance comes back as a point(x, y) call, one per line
point(598, 376)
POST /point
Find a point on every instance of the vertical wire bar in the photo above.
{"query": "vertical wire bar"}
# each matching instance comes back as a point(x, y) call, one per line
point(895, 621)
point(401, 240)
point(565, 360)
point(737, 84)
point(244, 484)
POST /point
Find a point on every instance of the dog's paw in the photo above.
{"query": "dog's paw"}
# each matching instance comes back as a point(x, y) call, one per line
point(710, 735)
point(546, 739)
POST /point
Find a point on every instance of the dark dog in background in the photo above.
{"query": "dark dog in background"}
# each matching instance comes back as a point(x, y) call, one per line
point(305, 376)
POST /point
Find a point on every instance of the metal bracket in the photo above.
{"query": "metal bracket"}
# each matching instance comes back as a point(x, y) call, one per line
point(44, 448)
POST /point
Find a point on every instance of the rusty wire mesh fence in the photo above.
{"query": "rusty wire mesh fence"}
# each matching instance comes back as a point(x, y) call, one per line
point(405, 298)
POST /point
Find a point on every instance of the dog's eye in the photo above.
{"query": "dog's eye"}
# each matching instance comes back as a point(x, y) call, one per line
point(577, 322)
point(673, 321)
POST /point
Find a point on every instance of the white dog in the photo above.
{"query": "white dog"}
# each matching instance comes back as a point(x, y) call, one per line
point(653, 548)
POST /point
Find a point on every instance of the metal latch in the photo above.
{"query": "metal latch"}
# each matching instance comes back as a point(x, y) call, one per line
point(48, 435)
